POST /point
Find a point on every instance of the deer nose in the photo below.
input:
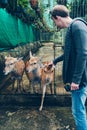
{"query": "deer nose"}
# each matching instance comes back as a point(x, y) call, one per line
point(47, 80)
point(27, 71)
point(4, 72)
point(49, 66)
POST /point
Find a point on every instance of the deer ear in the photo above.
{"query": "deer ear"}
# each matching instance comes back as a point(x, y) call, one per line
point(5, 57)
point(30, 54)
point(19, 58)
point(27, 63)
point(9, 55)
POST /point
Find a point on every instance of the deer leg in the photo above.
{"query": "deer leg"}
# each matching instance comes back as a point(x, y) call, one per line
point(33, 86)
point(13, 81)
point(13, 85)
point(51, 88)
point(40, 87)
point(30, 86)
point(22, 86)
point(17, 88)
point(43, 95)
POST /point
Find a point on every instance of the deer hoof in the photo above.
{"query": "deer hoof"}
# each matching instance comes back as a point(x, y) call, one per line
point(40, 109)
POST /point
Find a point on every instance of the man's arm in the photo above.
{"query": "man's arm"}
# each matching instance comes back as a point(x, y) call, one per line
point(58, 59)
point(80, 43)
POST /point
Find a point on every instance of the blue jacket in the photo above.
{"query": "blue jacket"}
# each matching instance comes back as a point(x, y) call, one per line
point(75, 53)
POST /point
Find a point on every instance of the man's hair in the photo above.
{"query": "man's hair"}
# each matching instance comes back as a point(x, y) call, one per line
point(59, 10)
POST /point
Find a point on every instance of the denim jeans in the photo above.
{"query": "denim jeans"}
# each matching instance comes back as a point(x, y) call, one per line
point(79, 109)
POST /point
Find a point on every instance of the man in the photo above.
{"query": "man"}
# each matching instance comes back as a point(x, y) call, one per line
point(74, 61)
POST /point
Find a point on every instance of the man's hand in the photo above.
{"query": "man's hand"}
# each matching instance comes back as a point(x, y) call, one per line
point(74, 86)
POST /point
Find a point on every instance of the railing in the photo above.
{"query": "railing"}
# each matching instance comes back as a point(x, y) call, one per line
point(79, 10)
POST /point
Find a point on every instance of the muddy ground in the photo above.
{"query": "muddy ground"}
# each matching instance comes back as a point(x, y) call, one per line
point(22, 118)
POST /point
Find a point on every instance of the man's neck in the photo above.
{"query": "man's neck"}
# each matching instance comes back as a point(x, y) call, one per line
point(68, 21)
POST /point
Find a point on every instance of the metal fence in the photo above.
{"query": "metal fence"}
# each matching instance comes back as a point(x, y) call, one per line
point(79, 9)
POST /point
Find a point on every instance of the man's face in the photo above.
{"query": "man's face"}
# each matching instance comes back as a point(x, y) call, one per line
point(58, 22)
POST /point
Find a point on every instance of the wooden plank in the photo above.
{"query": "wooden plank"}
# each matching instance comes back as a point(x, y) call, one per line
point(34, 100)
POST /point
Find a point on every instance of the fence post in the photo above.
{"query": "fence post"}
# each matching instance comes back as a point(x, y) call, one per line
point(54, 70)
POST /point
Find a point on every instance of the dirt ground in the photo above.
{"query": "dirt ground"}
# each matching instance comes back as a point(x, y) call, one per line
point(21, 118)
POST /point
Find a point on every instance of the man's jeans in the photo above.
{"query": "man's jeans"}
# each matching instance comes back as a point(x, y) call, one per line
point(78, 108)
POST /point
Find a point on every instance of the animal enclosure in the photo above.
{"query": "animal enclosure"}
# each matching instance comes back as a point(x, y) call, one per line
point(46, 53)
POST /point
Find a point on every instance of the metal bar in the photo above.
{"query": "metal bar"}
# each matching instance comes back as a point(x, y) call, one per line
point(54, 71)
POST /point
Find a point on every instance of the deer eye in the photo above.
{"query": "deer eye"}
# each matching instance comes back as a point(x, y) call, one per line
point(34, 63)
point(9, 64)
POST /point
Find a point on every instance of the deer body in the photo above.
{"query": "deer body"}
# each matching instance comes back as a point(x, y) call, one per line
point(47, 78)
point(15, 66)
point(41, 73)
point(33, 71)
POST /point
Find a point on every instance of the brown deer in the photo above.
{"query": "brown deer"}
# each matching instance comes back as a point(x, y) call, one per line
point(33, 71)
point(15, 66)
point(43, 73)
point(47, 79)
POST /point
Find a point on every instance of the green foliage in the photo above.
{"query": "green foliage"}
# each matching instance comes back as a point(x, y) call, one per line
point(36, 14)
point(24, 3)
